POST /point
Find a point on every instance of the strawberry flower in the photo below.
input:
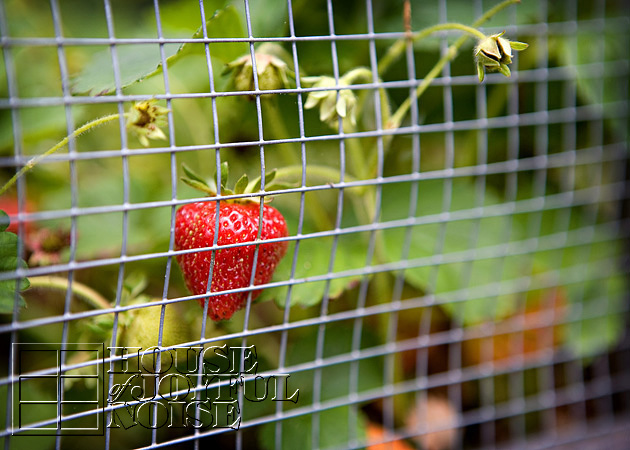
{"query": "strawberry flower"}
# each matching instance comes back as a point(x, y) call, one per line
point(272, 71)
point(332, 106)
point(494, 53)
point(144, 120)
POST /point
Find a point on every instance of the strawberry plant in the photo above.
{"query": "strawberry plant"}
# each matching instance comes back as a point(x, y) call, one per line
point(343, 107)
point(339, 104)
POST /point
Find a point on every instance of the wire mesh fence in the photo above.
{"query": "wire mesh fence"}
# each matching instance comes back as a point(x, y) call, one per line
point(445, 264)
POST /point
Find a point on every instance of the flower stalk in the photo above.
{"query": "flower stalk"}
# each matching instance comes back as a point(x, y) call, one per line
point(85, 293)
point(34, 161)
point(143, 119)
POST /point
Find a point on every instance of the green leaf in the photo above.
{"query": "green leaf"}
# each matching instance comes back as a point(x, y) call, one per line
point(225, 170)
point(255, 184)
point(9, 262)
point(596, 306)
point(226, 23)
point(313, 260)
point(265, 24)
point(338, 341)
point(462, 272)
point(269, 177)
point(565, 50)
point(504, 70)
point(134, 285)
point(334, 423)
point(195, 181)
point(277, 186)
point(333, 428)
point(518, 45)
point(192, 175)
point(241, 184)
point(7, 297)
point(4, 220)
point(138, 62)
point(600, 316)
point(199, 186)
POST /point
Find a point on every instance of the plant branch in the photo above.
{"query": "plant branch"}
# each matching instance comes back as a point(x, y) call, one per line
point(86, 293)
point(397, 118)
point(397, 49)
point(492, 11)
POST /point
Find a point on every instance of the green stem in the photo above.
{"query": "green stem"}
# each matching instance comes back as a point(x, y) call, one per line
point(276, 123)
point(360, 73)
point(397, 49)
point(397, 118)
point(401, 112)
point(492, 11)
point(279, 131)
point(34, 161)
point(356, 151)
point(357, 156)
point(87, 294)
point(326, 174)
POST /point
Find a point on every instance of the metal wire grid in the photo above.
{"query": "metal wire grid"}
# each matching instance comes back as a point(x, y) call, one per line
point(576, 393)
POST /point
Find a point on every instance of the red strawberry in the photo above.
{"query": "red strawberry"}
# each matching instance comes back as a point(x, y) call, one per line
point(9, 205)
point(238, 222)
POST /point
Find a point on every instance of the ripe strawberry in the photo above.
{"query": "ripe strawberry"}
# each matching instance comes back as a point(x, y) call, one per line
point(238, 222)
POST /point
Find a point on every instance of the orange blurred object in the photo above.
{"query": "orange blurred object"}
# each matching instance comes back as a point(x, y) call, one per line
point(536, 328)
point(377, 433)
point(434, 422)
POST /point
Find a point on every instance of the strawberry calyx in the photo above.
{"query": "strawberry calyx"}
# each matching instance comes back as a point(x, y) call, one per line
point(242, 187)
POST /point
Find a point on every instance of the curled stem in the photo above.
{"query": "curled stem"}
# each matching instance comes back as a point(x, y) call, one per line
point(85, 293)
point(397, 49)
point(79, 131)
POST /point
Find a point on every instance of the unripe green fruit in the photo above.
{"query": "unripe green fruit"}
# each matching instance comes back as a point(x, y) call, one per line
point(143, 331)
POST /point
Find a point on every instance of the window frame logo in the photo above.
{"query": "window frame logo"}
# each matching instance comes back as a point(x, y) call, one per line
point(31, 366)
